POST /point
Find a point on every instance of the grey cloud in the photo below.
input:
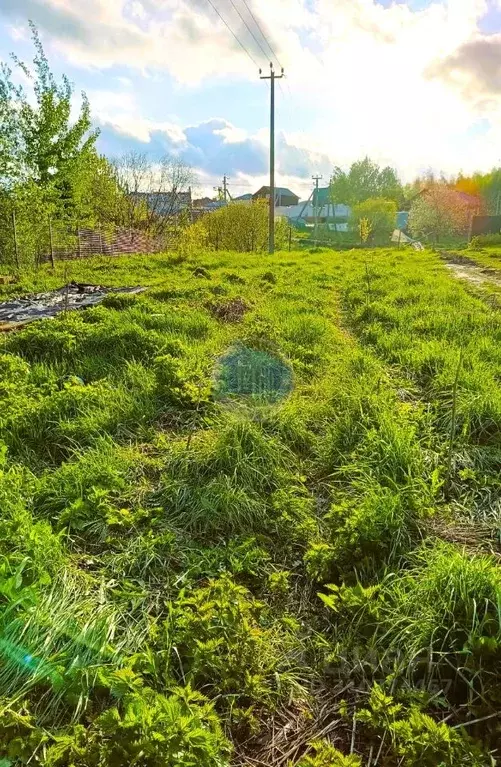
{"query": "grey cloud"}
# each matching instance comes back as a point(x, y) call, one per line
point(206, 150)
point(81, 26)
point(84, 25)
point(55, 20)
point(480, 59)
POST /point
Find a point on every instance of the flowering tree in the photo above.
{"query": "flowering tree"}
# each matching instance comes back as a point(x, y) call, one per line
point(439, 212)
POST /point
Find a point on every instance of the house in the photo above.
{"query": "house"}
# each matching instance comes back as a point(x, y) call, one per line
point(318, 209)
point(207, 204)
point(165, 203)
point(283, 196)
point(245, 198)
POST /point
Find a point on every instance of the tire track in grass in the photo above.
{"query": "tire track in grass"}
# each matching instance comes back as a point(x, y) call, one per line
point(418, 321)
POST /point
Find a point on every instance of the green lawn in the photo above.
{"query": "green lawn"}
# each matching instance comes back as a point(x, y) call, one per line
point(252, 516)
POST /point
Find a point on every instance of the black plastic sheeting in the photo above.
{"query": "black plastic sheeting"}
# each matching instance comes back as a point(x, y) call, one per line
point(39, 306)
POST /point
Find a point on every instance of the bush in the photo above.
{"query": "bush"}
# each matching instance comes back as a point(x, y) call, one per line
point(377, 217)
point(325, 755)
point(176, 384)
point(416, 739)
point(485, 241)
point(224, 649)
point(149, 729)
point(235, 227)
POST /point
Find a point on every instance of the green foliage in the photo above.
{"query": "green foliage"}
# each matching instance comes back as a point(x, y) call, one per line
point(176, 384)
point(217, 633)
point(375, 218)
point(149, 729)
point(365, 180)
point(415, 737)
point(49, 168)
point(325, 755)
point(49, 143)
point(224, 648)
point(371, 531)
point(235, 227)
point(485, 241)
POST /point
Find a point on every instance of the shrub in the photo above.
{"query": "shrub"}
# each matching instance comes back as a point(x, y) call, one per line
point(375, 218)
point(417, 740)
point(177, 384)
point(223, 648)
point(325, 755)
point(485, 241)
point(149, 729)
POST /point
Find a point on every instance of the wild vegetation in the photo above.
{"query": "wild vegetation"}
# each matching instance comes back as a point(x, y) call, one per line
point(252, 516)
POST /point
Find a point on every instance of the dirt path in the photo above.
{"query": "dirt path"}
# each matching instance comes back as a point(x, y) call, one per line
point(466, 269)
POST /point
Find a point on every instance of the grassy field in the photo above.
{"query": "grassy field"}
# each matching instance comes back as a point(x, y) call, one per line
point(252, 516)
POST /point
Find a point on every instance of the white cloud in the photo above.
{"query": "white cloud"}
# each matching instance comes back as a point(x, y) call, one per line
point(406, 87)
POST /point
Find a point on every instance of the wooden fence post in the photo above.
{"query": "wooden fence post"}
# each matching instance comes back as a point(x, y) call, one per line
point(51, 244)
point(14, 230)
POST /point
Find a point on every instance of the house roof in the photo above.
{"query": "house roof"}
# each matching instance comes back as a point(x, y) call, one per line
point(284, 191)
point(281, 191)
point(247, 196)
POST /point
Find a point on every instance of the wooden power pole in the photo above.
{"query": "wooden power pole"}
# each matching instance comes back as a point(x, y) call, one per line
point(271, 226)
point(316, 179)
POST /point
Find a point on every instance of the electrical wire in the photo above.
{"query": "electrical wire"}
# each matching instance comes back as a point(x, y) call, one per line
point(256, 22)
point(234, 35)
point(250, 30)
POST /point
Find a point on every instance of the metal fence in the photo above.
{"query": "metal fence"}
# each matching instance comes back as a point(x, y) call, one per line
point(85, 242)
point(32, 242)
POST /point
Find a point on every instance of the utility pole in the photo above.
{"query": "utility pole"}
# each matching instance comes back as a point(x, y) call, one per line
point(222, 191)
point(271, 225)
point(316, 179)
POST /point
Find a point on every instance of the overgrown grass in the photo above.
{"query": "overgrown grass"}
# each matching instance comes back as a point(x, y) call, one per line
point(182, 556)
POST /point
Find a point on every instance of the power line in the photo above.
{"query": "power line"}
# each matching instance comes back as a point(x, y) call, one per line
point(250, 30)
point(256, 22)
point(234, 35)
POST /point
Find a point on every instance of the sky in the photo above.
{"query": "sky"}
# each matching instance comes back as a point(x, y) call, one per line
point(415, 84)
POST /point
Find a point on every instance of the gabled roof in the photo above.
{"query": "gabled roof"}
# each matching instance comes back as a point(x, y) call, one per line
point(247, 196)
point(280, 191)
